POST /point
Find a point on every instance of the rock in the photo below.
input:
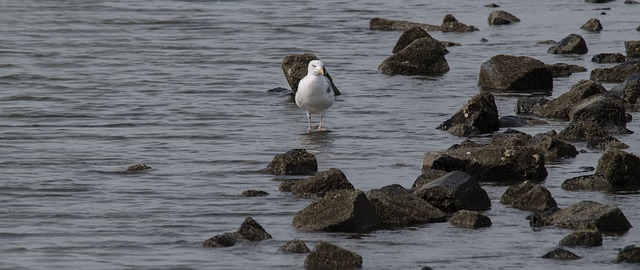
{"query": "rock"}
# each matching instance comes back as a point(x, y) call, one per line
point(597, 1)
point(619, 168)
point(589, 214)
point(586, 183)
point(455, 191)
point(470, 220)
point(319, 184)
point(607, 112)
point(562, 105)
point(606, 143)
point(633, 48)
point(561, 254)
point(451, 24)
point(491, 163)
point(587, 238)
point(254, 193)
point(541, 218)
point(510, 121)
point(140, 167)
point(396, 206)
point(492, 5)
point(329, 256)
point(426, 177)
point(631, 2)
point(572, 44)
point(638, 29)
point(595, 136)
point(529, 196)
point(616, 73)
point(529, 105)
point(249, 230)
point(592, 25)
point(629, 254)
point(287, 185)
point(629, 90)
point(449, 43)
point(609, 58)
point(395, 25)
point(506, 72)
point(480, 112)
point(222, 240)
point(345, 210)
point(293, 162)
point(409, 36)
point(547, 42)
point(424, 56)
point(500, 17)
point(564, 70)
point(552, 147)
point(295, 68)
point(294, 246)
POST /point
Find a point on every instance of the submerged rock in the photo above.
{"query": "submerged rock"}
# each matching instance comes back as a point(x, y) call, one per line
point(319, 184)
point(329, 256)
point(560, 254)
point(455, 191)
point(480, 113)
point(396, 206)
point(254, 193)
point(629, 254)
point(423, 56)
point(249, 230)
point(572, 44)
point(609, 58)
point(587, 238)
point(470, 220)
point(293, 162)
point(506, 72)
point(294, 246)
point(592, 25)
point(564, 70)
point(529, 196)
point(395, 25)
point(139, 167)
point(451, 24)
point(589, 214)
point(616, 73)
point(501, 17)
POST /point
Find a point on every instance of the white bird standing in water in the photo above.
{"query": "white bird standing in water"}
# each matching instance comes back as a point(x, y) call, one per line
point(316, 91)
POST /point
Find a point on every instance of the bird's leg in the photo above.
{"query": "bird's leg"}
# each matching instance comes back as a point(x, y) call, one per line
point(309, 120)
point(320, 128)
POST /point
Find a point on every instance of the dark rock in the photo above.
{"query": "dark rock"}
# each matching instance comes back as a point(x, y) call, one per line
point(607, 112)
point(424, 56)
point(609, 58)
point(588, 214)
point(319, 184)
point(564, 70)
point(294, 246)
point(629, 90)
point(529, 196)
point(562, 105)
point(515, 73)
point(492, 5)
point(345, 210)
point(592, 133)
point(426, 177)
point(449, 43)
point(597, 1)
point(631, 2)
point(140, 167)
point(293, 162)
point(629, 254)
point(592, 25)
point(451, 24)
point(529, 105)
point(572, 44)
point(510, 121)
point(606, 143)
point(295, 67)
point(254, 193)
point(396, 206)
point(633, 48)
point(395, 25)
point(287, 185)
point(616, 73)
point(470, 220)
point(561, 254)
point(619, 168)
point(500, 17)
point(586, 183)
point(455, 191)
point(547, 42)
point(462, 130)
point(638, 29)
point(587, 238)
point(329, 256)
point(552, 147)
point(480, 112)
point(409, 36)
point(541, 218)
point(252, 231)
point(491, 163)
point(221, 240)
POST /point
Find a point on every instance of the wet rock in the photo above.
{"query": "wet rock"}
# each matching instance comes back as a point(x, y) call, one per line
point(587, 238)
point(560, 254)
point(396, 206)
point(548, 143)
point(329, 256)
point(294, 246)
point(589, 214)
point(455, 191)
point(293, 162)
point(592, 133)
point(633, 48)
point(515, 73)
point(286, 185)
point(541, 218)
point(254, 193)
point(470, 220)
point(409, 36)
point(449, 43)
point(222, 240)
point(511, 121)
point(547, 42)
point(492, 5)
point(592, 25)
point(140, 167)
point(528, 196)
point(638, 29)
point(480, 112)
point(606, 143)
point(319, 184)
point(426, 177)
point(395, 25)
point(631, 2)
point(586, 183)
point(491, 163)
point(564, 70)
point(607, 112)
point(562, 105)
point(629, 254)
point(501, 17)
point(609, 58)
point(529, 105)
point(597, 1)
point(572, 44)
point(619, 168)
point(424, 56)
point(249, 230)
point(451, 24)
point(295, 68)
point(616, 73)
point(345, 210)
point(629, 90)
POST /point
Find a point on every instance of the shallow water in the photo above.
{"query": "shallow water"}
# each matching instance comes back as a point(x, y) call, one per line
point(91, 87)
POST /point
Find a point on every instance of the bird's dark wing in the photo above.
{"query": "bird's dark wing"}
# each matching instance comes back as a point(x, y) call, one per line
point(333, 86)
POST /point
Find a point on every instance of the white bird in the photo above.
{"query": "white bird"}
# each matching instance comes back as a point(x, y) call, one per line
point(315, 92)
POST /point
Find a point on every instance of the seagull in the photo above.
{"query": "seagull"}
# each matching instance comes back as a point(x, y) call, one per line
point(316, 92)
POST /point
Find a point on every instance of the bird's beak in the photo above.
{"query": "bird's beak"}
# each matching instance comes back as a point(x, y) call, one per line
point(323, 71)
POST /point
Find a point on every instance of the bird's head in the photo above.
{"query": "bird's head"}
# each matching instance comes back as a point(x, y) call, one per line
point(316, 67)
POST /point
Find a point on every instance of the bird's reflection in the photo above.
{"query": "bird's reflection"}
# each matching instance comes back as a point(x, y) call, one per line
point(316, 140)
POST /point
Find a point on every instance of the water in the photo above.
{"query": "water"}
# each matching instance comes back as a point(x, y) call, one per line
point(90, 87)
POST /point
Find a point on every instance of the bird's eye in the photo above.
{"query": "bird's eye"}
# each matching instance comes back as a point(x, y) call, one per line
point(313, 65)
